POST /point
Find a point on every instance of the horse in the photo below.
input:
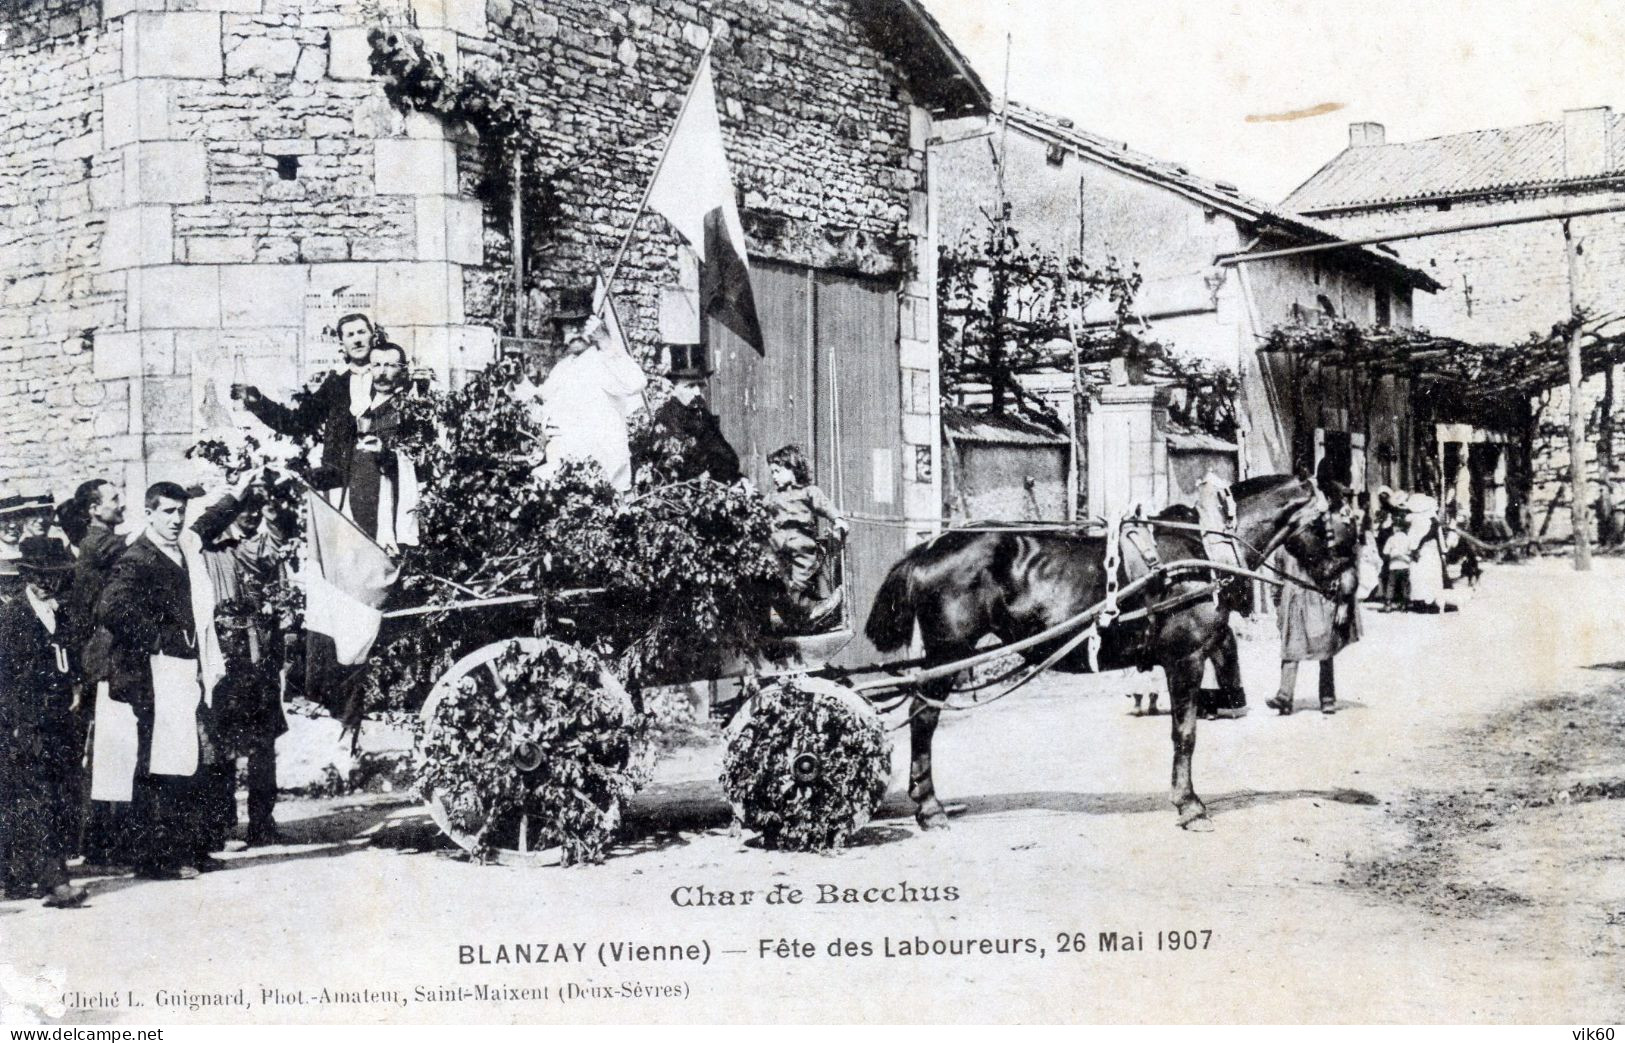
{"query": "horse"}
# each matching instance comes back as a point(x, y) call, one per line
point(1013, 583)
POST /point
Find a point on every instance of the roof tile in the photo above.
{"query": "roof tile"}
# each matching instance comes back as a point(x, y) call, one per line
point(1501, 159)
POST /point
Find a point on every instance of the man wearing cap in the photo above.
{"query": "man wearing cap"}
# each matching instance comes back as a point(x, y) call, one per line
point(146, 608)
point(39, 756)
point(329, 412)
point(684, 416)
point(592, 390)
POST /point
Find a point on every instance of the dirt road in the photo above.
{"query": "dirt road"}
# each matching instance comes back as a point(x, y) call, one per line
point(1448, 848)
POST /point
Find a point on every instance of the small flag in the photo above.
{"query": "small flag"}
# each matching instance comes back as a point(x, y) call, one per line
point(347, 577)
point(694, 191)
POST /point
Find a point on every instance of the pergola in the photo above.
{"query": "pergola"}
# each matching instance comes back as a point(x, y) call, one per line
point(1485, 384)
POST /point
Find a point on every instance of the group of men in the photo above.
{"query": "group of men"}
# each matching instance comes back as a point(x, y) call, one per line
point(137, 667)
point(115, 744)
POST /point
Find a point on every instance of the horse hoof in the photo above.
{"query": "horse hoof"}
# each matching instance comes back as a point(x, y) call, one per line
point(935, 821)
point(1199, 824)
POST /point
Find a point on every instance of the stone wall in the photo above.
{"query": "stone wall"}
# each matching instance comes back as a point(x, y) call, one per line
point(54, 181)
point(227, 176)
point(817, 125)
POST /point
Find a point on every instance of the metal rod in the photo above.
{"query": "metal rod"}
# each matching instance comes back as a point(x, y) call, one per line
point(1394, 237)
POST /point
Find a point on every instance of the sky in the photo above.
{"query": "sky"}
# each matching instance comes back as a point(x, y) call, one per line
point(1206, 82)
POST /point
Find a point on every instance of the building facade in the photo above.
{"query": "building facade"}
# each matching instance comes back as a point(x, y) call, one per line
point(1076, 194)
point(1501, 283)
point(193, 191)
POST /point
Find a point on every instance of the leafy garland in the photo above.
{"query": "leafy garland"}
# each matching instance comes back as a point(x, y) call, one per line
point(808, 767)
point(588, 750)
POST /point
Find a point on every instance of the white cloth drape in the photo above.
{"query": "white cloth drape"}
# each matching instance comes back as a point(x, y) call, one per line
point(585, 403)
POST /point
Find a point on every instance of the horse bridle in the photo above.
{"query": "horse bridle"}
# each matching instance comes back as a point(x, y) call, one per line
point(1302, 516)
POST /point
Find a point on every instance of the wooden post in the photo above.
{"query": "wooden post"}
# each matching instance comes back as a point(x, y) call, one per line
point(1579, 498)
point(1606, 530)
point(517, 231)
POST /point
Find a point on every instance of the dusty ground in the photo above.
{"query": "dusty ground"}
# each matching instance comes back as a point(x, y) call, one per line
point(1449, 848)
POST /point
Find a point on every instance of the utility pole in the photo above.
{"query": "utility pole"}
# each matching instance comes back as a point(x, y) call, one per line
point(1579, 498)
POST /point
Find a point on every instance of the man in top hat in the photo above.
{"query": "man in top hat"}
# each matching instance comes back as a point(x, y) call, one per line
point(146, 609)
point(592, 390)
point(685, 416)
point(329, 412)
point(39, 754)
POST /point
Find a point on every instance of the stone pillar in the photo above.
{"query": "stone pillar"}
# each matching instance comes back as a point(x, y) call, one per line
point(161, 167)
point(1128, 449)
point(917, 340)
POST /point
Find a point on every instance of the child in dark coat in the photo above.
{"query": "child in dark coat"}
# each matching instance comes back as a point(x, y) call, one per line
point(797, 505)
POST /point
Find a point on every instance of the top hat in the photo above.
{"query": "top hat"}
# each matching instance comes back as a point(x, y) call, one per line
point(43, 554)
point(15, 505)
point(689, 362)
point(574, 304)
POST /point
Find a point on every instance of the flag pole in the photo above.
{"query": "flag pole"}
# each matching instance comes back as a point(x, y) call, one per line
point(648, 189)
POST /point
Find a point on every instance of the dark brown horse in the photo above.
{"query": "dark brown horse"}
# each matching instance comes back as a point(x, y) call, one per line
point(1011, 584)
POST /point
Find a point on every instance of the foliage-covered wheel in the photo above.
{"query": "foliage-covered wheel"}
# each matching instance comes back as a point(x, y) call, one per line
point(807, 763)
point(526, 751)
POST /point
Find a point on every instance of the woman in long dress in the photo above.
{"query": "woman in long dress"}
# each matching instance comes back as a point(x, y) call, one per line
point(1427, 563)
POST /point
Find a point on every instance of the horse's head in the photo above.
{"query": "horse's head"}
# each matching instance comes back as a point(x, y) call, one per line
point(1268, 509)
point(1326, 545)
point(1281, 511)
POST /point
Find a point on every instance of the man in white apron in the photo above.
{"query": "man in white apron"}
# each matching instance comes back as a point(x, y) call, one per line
point(146, 608)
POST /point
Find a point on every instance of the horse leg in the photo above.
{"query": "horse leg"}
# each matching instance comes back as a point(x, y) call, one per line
point(1184, 678)
point(922, 789)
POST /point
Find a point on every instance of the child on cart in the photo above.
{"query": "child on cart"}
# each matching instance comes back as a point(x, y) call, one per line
point(797, 505)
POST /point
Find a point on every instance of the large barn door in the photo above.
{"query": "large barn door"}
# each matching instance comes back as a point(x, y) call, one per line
point(860, 432)
point(830, 381)
point(766, 402)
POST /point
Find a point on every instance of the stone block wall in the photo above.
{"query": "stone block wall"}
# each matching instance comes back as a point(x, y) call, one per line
point(183, 182)
point(55, 181)
point(187, 182)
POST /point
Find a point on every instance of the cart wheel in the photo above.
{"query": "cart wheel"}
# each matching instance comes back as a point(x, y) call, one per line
point(512, 748)
point(807, 763)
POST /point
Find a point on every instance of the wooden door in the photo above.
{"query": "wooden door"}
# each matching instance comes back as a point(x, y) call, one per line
point(860, 431)
point(765, 401)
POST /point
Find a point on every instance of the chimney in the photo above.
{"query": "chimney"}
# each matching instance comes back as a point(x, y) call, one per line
point(1364, 134)
point(1585, 142)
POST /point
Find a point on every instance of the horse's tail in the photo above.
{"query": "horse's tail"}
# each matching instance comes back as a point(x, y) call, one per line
point(891, 619)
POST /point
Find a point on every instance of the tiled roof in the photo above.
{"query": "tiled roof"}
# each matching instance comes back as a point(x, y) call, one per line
point(963, 425)
point(939, 75)
point(1222, 195)
point(1530, 156)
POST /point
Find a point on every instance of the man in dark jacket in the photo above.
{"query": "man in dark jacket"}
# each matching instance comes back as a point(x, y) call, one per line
point(39, 757)
point(102, 507)
point(146, 607)
point(243, 553)
point(684, 416)
point(328, 413)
